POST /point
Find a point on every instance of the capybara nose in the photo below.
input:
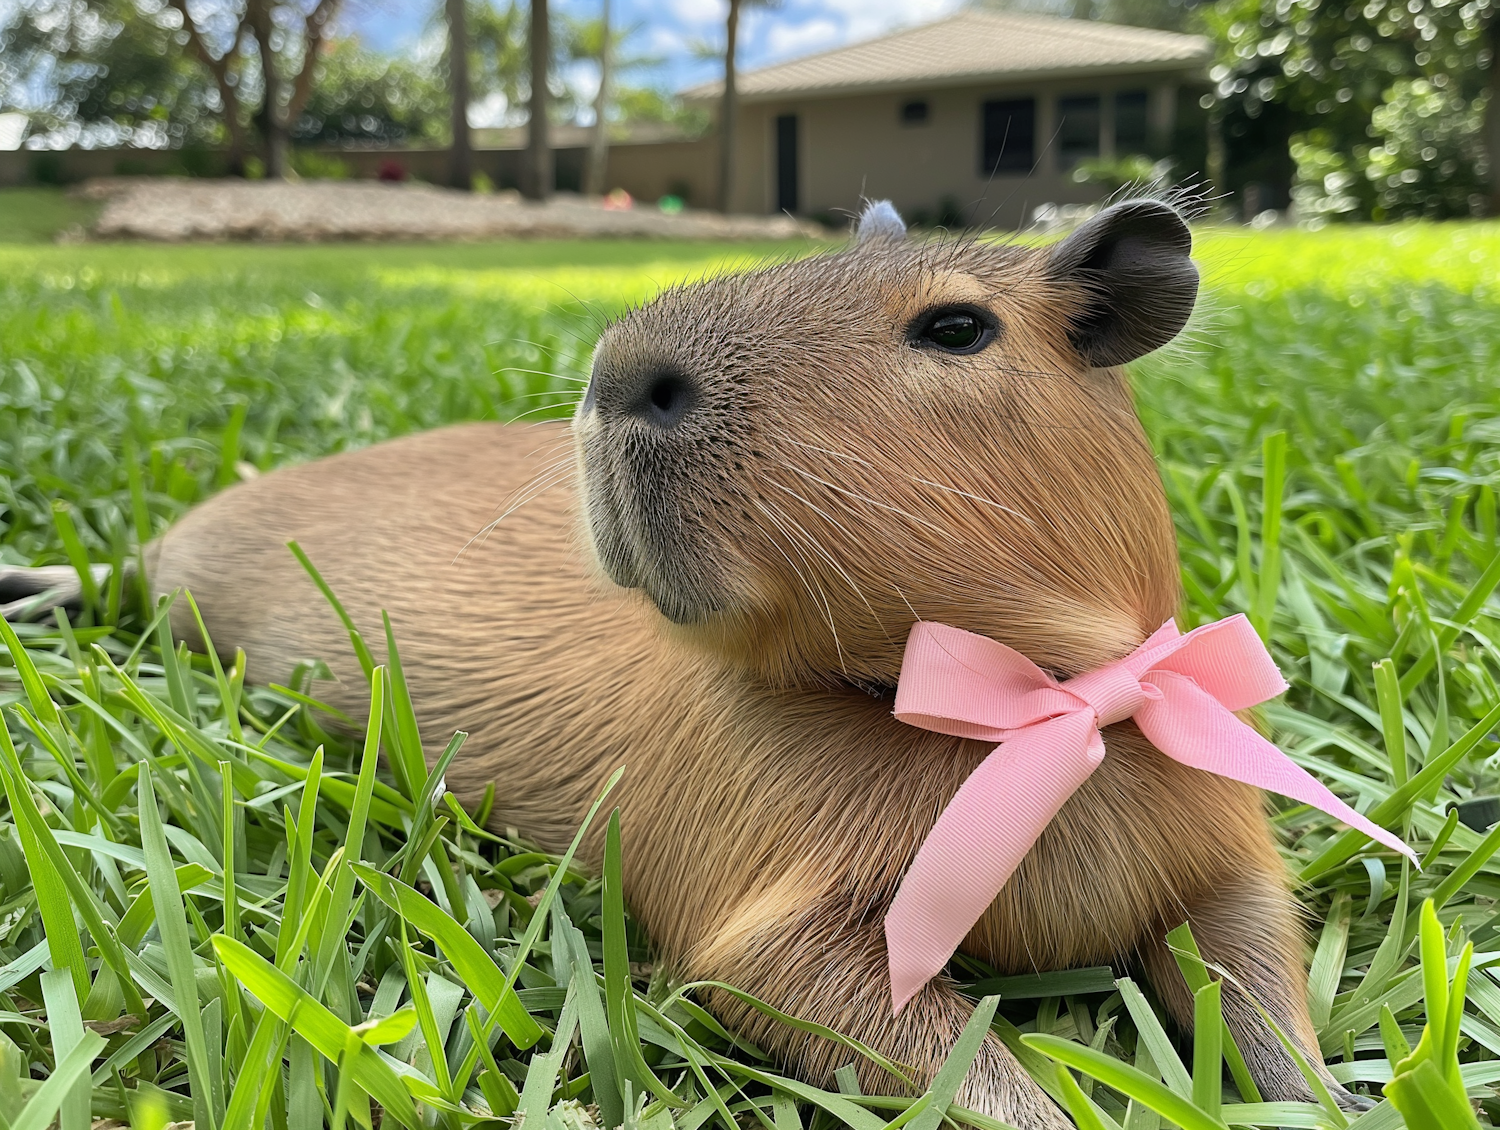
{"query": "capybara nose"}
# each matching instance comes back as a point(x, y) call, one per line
point(660, 395)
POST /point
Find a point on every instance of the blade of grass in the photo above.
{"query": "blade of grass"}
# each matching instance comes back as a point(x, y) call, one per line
point(171, 921)
point(1194, 970)
point(361, 652)
point(320, 1027)
point(955, 1067)
point(1163, 1055)
point(45, 1102)
point(1208, 1049)
point(1127, 1080)
point(1273, 457)
point(491, 987)
point(593, 1025)
point(66, 1025)
point(1400, 801)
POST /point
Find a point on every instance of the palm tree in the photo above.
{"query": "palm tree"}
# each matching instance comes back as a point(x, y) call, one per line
point(537, 183)
point(461, 160)
point(598, 164)
point(729, 106)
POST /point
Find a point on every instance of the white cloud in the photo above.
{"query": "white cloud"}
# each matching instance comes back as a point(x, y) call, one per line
point(699, 12)
point(865, 18)
point(489, 112)
point(787, 41)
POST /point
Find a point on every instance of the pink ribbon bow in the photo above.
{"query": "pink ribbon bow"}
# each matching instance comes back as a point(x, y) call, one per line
point(1181, 691)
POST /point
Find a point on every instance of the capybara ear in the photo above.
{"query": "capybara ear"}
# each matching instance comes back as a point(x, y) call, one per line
point(1134, 262)
point(880, 220)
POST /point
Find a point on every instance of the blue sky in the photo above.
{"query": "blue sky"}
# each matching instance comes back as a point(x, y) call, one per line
point(671, 28)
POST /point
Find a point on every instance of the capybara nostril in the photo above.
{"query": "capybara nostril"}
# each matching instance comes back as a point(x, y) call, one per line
point(665, 399)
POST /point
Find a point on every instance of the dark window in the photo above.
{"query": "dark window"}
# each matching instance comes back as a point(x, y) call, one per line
point(1130, 122)
point(786, 163)
point(1077, 129)
point(914, 113)
point(1009, 136)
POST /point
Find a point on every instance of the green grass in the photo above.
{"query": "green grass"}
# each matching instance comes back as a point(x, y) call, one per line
point(1328, 432)
point(38, 215)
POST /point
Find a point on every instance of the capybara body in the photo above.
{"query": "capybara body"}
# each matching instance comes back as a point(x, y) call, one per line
point(708, 577)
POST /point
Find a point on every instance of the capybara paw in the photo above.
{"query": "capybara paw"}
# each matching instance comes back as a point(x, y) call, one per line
point(1288, 1085)
point(1348, 1100)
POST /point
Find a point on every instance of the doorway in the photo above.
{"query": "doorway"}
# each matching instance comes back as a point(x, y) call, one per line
point(786, 163)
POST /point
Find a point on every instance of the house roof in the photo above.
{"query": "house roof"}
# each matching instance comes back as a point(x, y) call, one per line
point(971, 46)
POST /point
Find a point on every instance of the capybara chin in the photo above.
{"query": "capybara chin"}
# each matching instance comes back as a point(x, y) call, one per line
point(709, 577)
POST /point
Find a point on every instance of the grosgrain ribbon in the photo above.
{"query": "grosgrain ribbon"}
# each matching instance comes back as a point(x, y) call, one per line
point(1181, 690)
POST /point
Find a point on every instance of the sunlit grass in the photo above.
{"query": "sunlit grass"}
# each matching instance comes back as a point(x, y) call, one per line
point(1328, 433)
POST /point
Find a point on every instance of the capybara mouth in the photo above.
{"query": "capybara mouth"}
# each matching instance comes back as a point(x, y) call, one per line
point(621, 554)
point(635, 525)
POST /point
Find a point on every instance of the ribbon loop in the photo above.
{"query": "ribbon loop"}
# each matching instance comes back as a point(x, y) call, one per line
point(1181, 690)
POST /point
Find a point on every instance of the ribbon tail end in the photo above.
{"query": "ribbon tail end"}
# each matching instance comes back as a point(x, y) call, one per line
point(1392, 841)
point(903, 988)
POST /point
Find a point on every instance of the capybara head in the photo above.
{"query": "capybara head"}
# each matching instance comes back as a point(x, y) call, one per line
point(797, 463)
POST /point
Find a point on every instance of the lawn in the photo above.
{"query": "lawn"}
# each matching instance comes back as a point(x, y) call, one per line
point(1328, 435)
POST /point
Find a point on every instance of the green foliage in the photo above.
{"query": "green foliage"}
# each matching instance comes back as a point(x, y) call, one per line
point(1430, 160)
point(1129, 171)
point(1380, 102)
point(124, 72)
point(112, 69)
point(1427, 160)
point(1168, 15)
point(1330, 183)
point(1328, 442)
point(647, 104)
point(359, 96)
point(500, 61)
point(500, 64)
point(38, 215)
point(1428, 1087)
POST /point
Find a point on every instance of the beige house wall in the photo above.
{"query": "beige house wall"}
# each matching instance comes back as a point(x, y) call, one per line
point(856, 147)
point(648, 172)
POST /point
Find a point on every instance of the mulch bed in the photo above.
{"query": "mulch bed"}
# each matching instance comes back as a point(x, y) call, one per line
point(176, 209)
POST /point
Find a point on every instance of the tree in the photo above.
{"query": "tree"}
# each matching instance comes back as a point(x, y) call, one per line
point(729, 104)
point(598, 163)
point(104, 73)
point(1371, 98)
point(461, 167)
point(539, 177)
point(113, 72)
point(1165, 15)
point(499, 61)
point(272, 105)
point(728, 108)
point(361, 97)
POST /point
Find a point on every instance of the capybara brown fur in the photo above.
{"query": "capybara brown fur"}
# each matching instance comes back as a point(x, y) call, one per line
point(708, 577)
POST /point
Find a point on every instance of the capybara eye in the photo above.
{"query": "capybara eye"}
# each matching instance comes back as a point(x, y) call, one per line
point(953, 329)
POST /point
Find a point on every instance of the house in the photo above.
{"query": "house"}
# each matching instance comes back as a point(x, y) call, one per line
point(977, 118)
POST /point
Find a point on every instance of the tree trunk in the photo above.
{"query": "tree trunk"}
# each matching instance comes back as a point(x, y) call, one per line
point(234, 161)
point(1491, 126)
point(460, 155)
point(276, 149)
point(598, 168)
point(539, 176)
point(1218, 159)
point(272, 128)
point(728, 112)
